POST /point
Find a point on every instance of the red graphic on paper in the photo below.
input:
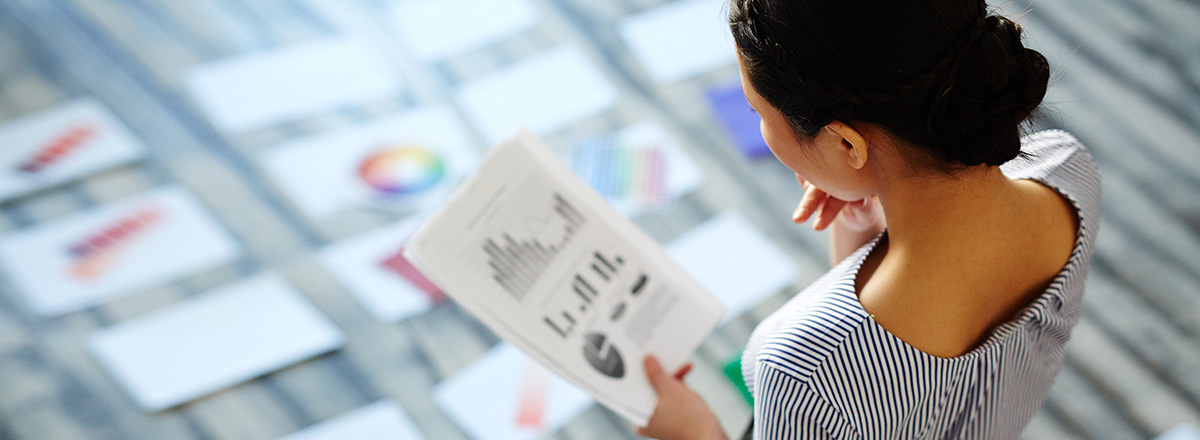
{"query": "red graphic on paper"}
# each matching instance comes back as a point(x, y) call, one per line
point(400, 266)
point(535, 394)
point(99, 251)
point(61, 146)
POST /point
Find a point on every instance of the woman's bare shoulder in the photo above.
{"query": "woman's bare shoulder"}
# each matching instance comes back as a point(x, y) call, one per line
point(950, 309)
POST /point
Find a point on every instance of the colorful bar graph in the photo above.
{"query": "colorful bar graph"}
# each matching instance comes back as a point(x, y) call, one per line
point(622, 172)
point(98, 251)
point(535, 394)
point(61, 146)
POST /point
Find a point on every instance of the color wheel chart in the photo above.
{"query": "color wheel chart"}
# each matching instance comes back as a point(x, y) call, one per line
point(397, 172)
point(620, 171)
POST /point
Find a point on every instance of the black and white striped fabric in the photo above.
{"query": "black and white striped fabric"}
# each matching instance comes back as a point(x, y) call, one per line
point(821, 367)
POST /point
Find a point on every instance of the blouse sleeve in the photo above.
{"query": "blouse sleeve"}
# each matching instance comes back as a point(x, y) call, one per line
point(785, 408)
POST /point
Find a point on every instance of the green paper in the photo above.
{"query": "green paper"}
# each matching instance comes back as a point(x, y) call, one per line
point(733, 371)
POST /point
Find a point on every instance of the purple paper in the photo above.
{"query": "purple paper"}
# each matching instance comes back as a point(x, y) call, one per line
point(738, 118)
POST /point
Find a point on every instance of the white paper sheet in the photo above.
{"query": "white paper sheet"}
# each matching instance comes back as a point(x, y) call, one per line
point(533, 252)
point(61, 144)
point(405, 162)
point(507, 396)
point(545, 93)
point(1185, 431)
point(680, 39)
point(435, 29)
point(216, 340)
point(734, 261)
point(262, 89)
point(368, 266)
point(638, 168)
point(382, 420)
point(84, 259)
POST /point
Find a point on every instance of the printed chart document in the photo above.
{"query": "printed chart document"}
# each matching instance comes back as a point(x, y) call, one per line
point(533, 252)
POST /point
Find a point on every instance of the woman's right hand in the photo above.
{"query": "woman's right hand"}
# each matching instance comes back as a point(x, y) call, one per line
point(858, 215)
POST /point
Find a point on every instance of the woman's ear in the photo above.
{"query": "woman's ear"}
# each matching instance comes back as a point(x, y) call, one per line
point(853, 144)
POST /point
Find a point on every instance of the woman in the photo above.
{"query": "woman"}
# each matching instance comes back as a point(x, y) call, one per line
point(959, 248)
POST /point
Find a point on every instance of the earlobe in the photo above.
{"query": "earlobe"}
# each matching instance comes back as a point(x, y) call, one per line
point(856, 159)
point(854, 143)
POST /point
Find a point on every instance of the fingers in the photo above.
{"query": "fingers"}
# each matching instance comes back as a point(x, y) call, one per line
point(799, 179)
point(683, 371)
point(829, 213)
point(863, 214)
point(812, 200)
point(654, 372)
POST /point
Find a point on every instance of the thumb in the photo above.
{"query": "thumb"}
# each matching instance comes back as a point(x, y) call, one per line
point(654, 371)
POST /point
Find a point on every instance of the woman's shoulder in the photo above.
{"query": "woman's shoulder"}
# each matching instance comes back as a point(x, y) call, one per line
point(1058, 159)
point(1049, 150)
point(816, 321)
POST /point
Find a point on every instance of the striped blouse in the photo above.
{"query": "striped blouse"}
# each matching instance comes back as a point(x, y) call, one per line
point(821, 367)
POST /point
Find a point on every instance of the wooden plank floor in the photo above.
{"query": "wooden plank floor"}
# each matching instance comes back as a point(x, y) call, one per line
point(1127, 83)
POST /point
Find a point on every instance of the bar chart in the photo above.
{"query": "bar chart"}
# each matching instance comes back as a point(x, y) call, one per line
point(518, 262)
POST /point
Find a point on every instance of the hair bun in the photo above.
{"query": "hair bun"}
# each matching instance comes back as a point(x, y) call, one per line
point(997, 85)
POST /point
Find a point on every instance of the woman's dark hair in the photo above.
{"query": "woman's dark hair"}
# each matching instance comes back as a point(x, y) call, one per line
point(941, 75)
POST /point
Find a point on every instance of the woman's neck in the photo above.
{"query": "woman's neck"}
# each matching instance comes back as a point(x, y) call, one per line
point(929, 214)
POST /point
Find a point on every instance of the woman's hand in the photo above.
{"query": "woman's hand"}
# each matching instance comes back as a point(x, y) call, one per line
point(681, 413)
point(860, 215)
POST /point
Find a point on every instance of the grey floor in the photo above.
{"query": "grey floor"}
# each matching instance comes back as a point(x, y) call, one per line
point(1127, 84)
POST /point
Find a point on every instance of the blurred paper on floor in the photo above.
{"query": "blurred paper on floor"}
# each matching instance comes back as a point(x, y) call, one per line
point(382, 420)
point(404, 163)
point(1186, 431)
point(435, 29)
point(61, 144)
point(738, 118)
point(216, 340)
point(372, 268)
point(735, 261)
point(267, 88)
point(680, 40)
point(87, 258)
point(507, 396)
point(545, 93)
point(639, 168)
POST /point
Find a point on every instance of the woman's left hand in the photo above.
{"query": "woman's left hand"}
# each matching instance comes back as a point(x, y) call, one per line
point(681, 413)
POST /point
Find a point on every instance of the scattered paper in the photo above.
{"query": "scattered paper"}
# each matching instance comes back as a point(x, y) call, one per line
point(546, 263)
point(61, 144)
point(1185, 431)
point(382, 420)
point(545, 93)
point(263, 89)
point(82, 260)
point(219, 339)
point(639, 168)
point(681, 39)
point(407, 162)
point(507, 396)
point(734, 261)
point(738, 119)
point(373, 269)
point(429, 31)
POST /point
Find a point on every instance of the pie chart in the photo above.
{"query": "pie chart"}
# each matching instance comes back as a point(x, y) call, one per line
point(603, 357)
